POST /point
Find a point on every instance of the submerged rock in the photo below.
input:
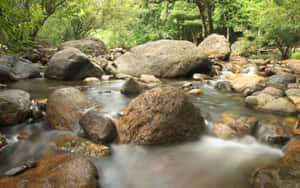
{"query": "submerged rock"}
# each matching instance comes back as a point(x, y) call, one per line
point(224, 86)
point(65, 108)
point(272, 131)
point(216, 46)
point(74, 144)
point(56, 172)
point(163, 59)
point(231, 125)
point(13, 68)
point(97, 127)
point(14, 106)
point(133, 87)
point(89, 46)
point(71, 64)
point(162, 115)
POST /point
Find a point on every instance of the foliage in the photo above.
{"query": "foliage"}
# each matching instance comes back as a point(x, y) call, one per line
point(127, 23)
point(296, 55)
point(278, 24)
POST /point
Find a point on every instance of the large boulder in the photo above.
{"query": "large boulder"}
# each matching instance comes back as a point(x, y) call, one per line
point(248, 84)
point(13, 68)
point(163, 58)
point(56, 172)
point(14, 106)
point(97, 127)
point(216, 46)
point(89, 46)
point(71, 64)
point(162, 115)
point(65, 108)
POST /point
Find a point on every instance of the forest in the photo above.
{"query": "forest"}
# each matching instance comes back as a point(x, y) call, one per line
point(149, 93)
point(127, 23)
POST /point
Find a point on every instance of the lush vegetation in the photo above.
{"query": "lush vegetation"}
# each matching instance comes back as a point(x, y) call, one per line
point(126, 23)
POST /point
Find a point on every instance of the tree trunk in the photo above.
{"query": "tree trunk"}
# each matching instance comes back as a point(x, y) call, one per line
point(166, 12)
point(203, 19)
point(210, 20)
point(227, 28)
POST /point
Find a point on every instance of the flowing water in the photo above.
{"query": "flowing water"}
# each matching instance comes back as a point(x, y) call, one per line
point(208, 162)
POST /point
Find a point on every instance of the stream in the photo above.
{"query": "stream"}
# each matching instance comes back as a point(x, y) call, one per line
point(207, 162)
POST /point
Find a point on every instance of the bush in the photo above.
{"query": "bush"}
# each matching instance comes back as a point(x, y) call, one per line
point(296, 55)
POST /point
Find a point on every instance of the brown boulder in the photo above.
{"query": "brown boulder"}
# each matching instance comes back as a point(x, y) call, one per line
point(292, 153)
point(60, 171)
point(65, 108)
point(97, 127)
point(216, 46)
point(250, 83)
point(162, 115)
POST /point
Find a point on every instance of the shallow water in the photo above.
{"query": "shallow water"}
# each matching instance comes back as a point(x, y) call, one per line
point(208, 162)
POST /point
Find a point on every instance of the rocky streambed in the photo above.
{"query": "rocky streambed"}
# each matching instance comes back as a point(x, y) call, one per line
point(234, 126)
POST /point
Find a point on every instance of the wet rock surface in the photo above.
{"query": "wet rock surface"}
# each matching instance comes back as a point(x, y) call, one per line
point(71, 64)
point(13, 68)
point(65, 108)
point(56, 172)
point(163, 115)
point(14, 106)
point(97, 127)
point(80, 146)
point(231, 125)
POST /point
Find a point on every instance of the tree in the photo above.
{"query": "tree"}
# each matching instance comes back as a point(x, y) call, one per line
point(278, 23)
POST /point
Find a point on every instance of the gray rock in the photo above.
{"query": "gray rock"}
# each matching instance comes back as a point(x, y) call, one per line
point(224, 86)
point(164, 59)
point(89, 46)
point(132, 87)
point(280, 80)
point(13, 68)
point(71, 64)
point(14, 106)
